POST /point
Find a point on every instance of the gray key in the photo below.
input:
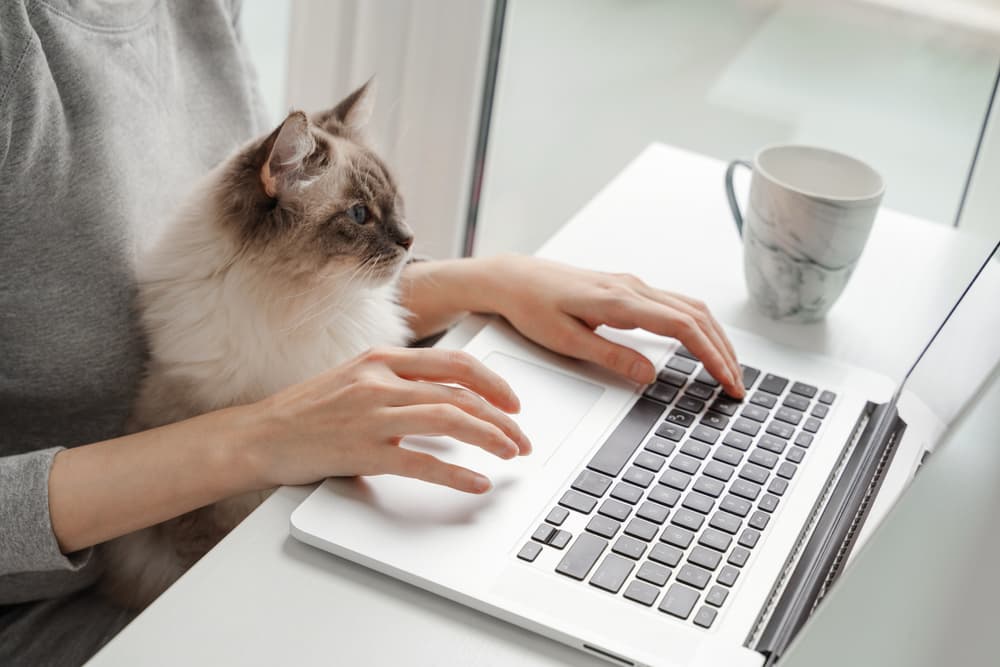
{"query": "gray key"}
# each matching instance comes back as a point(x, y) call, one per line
point(625, 439)
point(670, 431)
point(726, 522)
point(653, 573)
point(530, 551)
point(691, 404)
point(705, 617)
point(642, 529)
point(706, 434)
point(725, 405)
point(699, 390)
point(706, 378)
point(728, 575)
point(820, 411)
point(716, 596)
point(580, 558)
point(745, 489)
point(593, 483)
point(638, 476)
point(612, 573)
point(759, 520)
point(773, 384)
point(680, 417)
point(780, 429)
point(755, 412)
point(652, 512)
point(616, 510)
point(603, 526)
point(803, 389)
point(705, 558)
point(738, 557)
point(677, 536)
point(626, 492)
point(746, 426)
point(641, 593)
point(772, 444)
point(660, 446)
point(750, 375)
point(665, 495)
point(754, 473)
point(763, 458)
point(685, 464)
point(649, 461)
point(748, 538)
point(560, 539)
point(827, 397)
point(719, 470)
point(686, 353)
point(715, 539)
point(796, 402)
point(763, 399)
point(681, 365)
point(778, 486)
point(678, 601)
point(788, 415)
point(557, 515)
point(660, 391)
point(735, 505)
point(629, 547)
point(698, 502)
point(707, 485)
point(796, 454)
point(666, 554)
point(803, 439)
point(768, 503)
point(699, 450)
point(787, 470)
point(715, 420)
point(578, 501)
point(811, 425)
point(543, 533)
point(694, 576)
point(675, 479)
point(728, 455)
point(670, 377)
point(687, 519)
point(737, 440)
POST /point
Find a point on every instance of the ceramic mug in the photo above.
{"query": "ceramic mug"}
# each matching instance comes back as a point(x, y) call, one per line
point(808, 218)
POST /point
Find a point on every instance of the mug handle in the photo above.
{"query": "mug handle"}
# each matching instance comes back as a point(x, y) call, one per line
point(733, 205)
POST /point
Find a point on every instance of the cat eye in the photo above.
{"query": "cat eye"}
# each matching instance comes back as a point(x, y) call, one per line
point(358, 213)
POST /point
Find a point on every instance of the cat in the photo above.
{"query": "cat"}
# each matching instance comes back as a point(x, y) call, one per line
point(283, 264)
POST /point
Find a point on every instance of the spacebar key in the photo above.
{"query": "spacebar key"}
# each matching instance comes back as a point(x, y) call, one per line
point(625, 439)
point(581, 557)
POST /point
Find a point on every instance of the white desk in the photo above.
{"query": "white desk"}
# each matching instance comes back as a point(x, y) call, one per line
point(262, 598)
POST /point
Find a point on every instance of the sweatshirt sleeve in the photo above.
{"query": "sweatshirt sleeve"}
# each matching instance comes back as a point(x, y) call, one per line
point(27, 542)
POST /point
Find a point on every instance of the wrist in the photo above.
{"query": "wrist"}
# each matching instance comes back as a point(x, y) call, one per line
point(241, 458)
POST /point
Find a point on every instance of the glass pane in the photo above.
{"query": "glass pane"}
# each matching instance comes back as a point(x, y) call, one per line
point(584, 87)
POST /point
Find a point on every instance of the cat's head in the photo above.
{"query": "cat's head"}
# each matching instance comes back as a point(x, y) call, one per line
point(312, 200)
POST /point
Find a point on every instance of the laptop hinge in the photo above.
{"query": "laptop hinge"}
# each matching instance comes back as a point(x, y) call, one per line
point(830, 532)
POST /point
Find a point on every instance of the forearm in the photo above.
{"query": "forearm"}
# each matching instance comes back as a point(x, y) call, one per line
point(439, 292)
point(107, 489)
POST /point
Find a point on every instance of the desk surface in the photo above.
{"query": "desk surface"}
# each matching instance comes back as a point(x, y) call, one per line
point(261, 597)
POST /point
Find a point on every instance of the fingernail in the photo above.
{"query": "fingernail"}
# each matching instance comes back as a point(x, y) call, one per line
point(525, 447)
point(481, 484)
point(640, 372)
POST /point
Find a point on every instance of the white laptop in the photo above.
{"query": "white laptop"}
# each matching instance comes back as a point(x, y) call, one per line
point(660, 525)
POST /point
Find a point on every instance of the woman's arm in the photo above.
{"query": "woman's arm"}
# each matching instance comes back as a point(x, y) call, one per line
point(560, 306)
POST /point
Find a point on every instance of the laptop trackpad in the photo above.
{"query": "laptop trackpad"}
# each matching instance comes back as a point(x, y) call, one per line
point(552, 404)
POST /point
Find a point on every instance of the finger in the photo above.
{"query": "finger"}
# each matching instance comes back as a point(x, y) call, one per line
point(715, 323)
point(415, 393)
point(453, 366)
point(418, 465)
point(581, 342)
point(446, 419)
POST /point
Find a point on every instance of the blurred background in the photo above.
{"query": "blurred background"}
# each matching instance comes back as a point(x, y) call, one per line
point(579, 87)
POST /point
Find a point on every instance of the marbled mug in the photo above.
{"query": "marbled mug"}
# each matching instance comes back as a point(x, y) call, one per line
point(809, 216)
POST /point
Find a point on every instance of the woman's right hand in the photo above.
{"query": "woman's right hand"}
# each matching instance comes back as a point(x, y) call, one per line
point(351, 419)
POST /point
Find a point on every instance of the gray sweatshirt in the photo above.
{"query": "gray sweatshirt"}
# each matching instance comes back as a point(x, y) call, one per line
point(108, 112)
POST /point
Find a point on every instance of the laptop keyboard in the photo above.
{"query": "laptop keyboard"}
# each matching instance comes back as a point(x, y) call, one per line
point(680, 493)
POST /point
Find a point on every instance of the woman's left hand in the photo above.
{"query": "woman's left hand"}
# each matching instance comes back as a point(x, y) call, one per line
point(560, 306)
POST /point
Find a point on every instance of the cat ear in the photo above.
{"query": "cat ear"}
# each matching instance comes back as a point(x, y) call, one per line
point(286, 150)
point(351, 113)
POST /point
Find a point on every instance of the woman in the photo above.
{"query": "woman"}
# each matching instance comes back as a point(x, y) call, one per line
point(108, 112)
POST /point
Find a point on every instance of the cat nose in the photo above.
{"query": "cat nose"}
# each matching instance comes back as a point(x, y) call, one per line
point(405, 240)
point(402, 235)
